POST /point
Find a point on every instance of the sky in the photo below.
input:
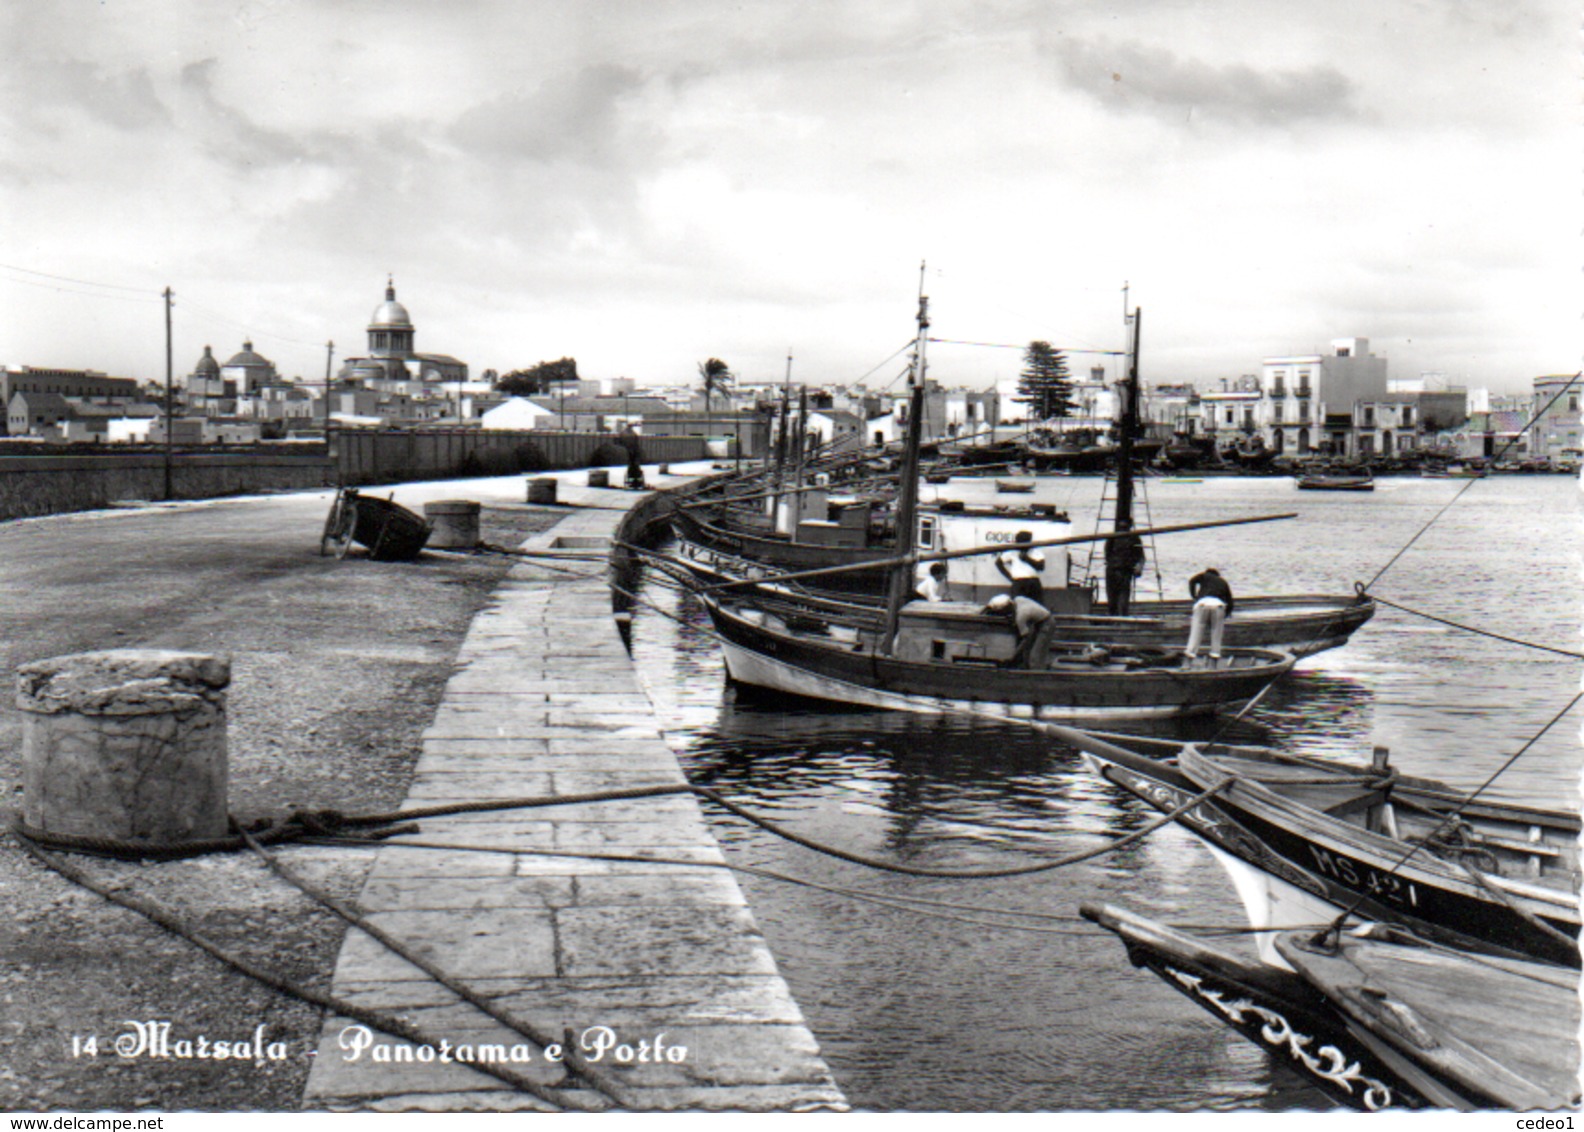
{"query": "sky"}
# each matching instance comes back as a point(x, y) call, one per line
point(645, 184)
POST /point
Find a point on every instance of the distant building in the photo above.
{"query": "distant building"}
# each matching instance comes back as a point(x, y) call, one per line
point(1556, 433)
point(516, 414)
point(82, 383)
point(208, 394)
point(1308, 399)
point(835, 430)
point(246, 372)
point(434, 383)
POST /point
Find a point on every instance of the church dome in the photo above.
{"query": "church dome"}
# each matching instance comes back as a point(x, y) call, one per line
point(248, 358)
point(390, 313)
point(207, 366)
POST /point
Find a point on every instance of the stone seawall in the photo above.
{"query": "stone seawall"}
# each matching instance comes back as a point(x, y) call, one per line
point(49, 485)
point(57, 482)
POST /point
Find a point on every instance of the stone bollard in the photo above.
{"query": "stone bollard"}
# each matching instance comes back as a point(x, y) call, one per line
point(599, 477)
point(456, 524)
point(542, 490)
point(127, 744)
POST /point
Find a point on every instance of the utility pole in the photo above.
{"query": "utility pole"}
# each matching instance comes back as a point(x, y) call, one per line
point(170, 400)
point(329, 360)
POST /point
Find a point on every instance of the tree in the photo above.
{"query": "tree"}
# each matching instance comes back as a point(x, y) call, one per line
point(537, 379)
point(1044, 384)
point(717, 375)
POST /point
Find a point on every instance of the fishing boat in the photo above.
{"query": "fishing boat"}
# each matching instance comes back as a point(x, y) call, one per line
point(1336, 481)
point(1301, 624)
point(389, 531)
point(855, 535)
point(1305, 839)
point(954, 657)
point(1377, 1021)
point(941, 656)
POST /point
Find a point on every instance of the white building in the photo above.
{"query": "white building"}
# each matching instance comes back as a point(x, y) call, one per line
point(1309, 398)
point(516, 414)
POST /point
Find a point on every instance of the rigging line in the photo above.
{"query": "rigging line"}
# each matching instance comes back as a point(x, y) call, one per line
point(897, 903)
point(203, 310)
point(1480, 632)
point(1024, 346)
point(69, 279)
point(1457, 810)
point(1434, 518)
point(886, 361)
point(150, 299)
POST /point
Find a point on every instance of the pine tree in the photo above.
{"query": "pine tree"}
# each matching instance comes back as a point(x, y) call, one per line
point(1044, 384)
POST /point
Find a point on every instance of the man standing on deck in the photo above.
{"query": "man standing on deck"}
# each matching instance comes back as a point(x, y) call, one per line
point(1212, 606)
point(1022, 566)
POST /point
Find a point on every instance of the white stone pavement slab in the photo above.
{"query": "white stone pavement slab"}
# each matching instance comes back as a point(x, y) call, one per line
point(656, 965)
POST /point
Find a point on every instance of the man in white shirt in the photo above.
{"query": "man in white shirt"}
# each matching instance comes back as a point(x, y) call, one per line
point(1022, 566)
point(932, 584)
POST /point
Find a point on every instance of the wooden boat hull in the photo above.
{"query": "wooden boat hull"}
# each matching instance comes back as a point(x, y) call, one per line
point(389, 531)
point(1377, 1022)
point(1324, 864)
point(1468, 1033)
point(1274, 1009)
point(1335, 483)
point(794, 664)
point(1301, 625)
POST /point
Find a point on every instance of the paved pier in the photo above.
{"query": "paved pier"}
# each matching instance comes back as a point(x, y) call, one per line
point(545, 701)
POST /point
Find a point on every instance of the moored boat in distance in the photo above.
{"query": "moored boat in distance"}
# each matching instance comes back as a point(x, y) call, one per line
point(1336, 481)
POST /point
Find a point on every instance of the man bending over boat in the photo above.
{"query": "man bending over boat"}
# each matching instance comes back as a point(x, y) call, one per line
point(1022, 566)
point(1212, 606)
point(1034, 626)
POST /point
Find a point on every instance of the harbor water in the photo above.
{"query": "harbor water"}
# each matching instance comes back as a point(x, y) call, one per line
point(992, 995)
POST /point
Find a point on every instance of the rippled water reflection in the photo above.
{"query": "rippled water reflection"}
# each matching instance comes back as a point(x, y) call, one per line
point(968, 1009)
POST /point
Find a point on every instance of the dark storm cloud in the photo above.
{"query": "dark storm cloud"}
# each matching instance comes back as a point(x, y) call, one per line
point(578, 118)
point(1132, 76)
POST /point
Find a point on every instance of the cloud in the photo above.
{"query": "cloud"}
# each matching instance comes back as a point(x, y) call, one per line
point(577, 118)
point(1131, 76)
point(47, 93)
point(228, 134)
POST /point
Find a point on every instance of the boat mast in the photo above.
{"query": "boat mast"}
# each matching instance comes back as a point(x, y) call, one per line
point(1123, 556)
point(907, 500)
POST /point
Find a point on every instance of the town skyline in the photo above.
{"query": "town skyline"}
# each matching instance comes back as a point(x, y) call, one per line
point(644, 187)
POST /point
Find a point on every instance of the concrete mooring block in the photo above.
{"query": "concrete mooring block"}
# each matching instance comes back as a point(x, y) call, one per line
point(456, 524)
point(127, 744)
point(599, 477)
point(542, 490)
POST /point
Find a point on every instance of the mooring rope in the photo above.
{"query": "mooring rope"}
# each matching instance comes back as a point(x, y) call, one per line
point(1476, 631)
point(573, 1058)
point(138, 850)
point(1451, 818)
point(380, 1020)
